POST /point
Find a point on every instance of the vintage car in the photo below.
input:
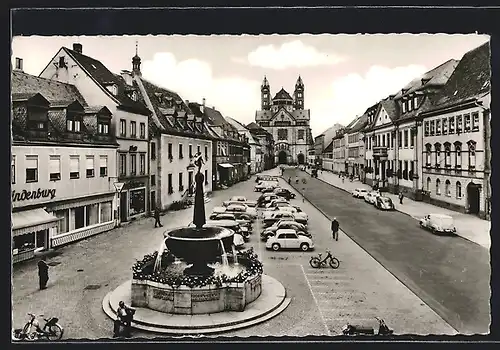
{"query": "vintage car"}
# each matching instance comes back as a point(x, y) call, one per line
point(239, 199)
point(243, 219)
point(273, 203)
point(370, 197)
point(439, 223)
point(384, 203)
point(299, 216)
point(276, 216)
point(284, 192)
point(265, 198)
point(242, 208)
point(284, 224)
point(265, 184)
point(229, 224)
point(289, 239)
point(266, 178)
point(359, 192)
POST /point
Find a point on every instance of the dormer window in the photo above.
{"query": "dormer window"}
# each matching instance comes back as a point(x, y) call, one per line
point(103, 126)
point(113, 88)
point(404, 106)
point(134, 96)
point(415, 102)
point(37, 118)
point(73, 123)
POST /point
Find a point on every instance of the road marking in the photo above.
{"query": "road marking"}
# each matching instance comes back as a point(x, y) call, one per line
point(316, 302)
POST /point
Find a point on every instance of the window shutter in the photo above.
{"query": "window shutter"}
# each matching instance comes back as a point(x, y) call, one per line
point(74, 164)
point(31, 162)
point(54, 165)
point(90, 162)
point(103, 162)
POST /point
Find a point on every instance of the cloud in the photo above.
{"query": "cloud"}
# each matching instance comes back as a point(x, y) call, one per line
point(193, 80)
point(352, 94)
point(294, 54)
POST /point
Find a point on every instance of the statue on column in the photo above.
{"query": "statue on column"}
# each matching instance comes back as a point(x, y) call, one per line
point(199, 200)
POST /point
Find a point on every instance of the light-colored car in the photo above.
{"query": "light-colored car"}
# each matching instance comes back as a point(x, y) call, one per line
point(239, 199)
point(244, 220)
point(370, 197)
point(359, 192)
point(242, 208)
point(384, 203)
point(299, 216)
point(438, 223)
point(274, 203)
point(265, 184)
point(284, 224)
point(289, 239)
point(276, 216)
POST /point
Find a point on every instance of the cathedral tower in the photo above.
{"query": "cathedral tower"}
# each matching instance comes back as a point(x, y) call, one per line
point(265, 95)
point(298, 94)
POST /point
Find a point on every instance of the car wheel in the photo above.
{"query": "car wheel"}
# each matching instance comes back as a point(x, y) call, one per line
point(275, 247)
point(304, 247)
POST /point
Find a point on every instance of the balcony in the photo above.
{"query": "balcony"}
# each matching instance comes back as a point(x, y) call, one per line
point(379, 151)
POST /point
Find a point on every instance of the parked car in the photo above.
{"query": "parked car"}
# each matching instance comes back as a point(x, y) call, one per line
point(274, 203)
point(269, 189)
point(276, 216)
point(384, 203)
point(241, 208)
point(359, 192)
point(289, 239)
point(371, 196)
point(243, 219)
point(299, 216)
point(239, 199)
point(284, 192)
point(264, 199)
point(266, 178)
point(438, 223)
point(229, 224)
point(284, 224)
point(265, 184)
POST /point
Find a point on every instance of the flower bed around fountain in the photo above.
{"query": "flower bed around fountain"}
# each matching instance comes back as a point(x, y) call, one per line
point(171, 291)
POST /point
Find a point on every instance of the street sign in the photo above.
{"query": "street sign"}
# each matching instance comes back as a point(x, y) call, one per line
point(119, 186)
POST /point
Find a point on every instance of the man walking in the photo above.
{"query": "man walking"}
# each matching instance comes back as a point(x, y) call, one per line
point(335, 229)
point(401, 197)
point(157, 217)
point(43, 273)
point(125, 316)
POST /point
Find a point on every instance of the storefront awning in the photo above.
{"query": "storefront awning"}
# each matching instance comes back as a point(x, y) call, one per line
point(31, 221)
point(226, 165)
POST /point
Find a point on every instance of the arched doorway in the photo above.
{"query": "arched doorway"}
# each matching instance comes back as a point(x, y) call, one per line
point(282, 157)
point(473, 198)
point(300, 158)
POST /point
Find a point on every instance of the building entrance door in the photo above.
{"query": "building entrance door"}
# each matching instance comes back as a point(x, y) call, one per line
point(473, 198)
point(282, 157)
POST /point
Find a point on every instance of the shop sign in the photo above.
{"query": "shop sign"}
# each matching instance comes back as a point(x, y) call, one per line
point(27, 195)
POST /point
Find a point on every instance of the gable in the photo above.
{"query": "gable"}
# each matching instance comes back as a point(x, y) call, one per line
point(282, 115)
point(382, 118)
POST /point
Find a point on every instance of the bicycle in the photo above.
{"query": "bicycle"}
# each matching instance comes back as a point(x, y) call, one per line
point(51, 330)
point(316, 261)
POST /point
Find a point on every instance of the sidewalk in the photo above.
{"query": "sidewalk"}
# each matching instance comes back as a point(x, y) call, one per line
point(469, 227)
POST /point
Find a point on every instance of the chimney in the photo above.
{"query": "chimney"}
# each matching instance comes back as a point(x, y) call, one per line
point(204, 100)
point(19, 64)
point(77, 47)
point(202, 107)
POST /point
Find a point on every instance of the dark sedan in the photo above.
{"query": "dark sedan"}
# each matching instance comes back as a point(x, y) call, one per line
point(282, 224)
point(285, 193)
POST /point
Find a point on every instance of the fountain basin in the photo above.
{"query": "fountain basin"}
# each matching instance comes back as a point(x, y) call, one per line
point(197, 300)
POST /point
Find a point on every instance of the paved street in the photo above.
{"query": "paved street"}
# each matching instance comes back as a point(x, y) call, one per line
point(450, 274)
point(322, 300)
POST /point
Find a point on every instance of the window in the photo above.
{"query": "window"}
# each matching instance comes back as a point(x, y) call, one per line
point(142, 163)
point(378, 141)
point(153, 150)
point(405, 171)
point(74, 167)
point(393, 137)
point(103, 166)
point(410, 104)
point(134, 96)
point(190, 151)
point(103, 127)
point(438, 127)
point(55, 168)
point(37, 118)
point(437, 149)
point(170, 184)
point(458, 155)
point(426, 128)
point(445, 126)
point(467, 123)
point(181, 186)
point(153, 200)
point(458, 188)
point(428, 151)
point(412, 137)
point(438, 187)
point(123, 127)
point(62, 62)
point(180, 151)
point(406, 138)
point(459, 124)
point(31, 169)
point(198, 149)
point(282, 134)
point(447, 154)
point(447, 189)
point(301, 135)
point(19, 63)
point(13, 169)
point(415, 102)
point(142, 130)
point(90, 166)
point(133, 164)
point(153, 180)
point(206, 152)
point(429, 184)
point(123, 164)
point(73, 123)
point(400, 140)
point(433, 131)
point(451, 124)
point(475, 121)
point(472, 155)
point(404, 106)
point(206, 177)
point(133, 129)
point(383, 140)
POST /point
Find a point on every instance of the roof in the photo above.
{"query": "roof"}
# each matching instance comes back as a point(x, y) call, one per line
point(214, 118)
point(256, 128)
point(104, 77)
point(360, 124)
point(329, 148)
point(470, 79)
point(282, 95)
point(24, 86)
point(242, 127)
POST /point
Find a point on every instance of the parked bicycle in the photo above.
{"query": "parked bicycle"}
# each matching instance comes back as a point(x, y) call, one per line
point(317, 262)
point(32, 330)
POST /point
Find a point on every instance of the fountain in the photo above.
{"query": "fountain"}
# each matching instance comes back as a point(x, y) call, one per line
point(197, 271)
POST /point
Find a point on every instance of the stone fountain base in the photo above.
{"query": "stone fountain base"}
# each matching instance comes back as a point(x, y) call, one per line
point(271, 302)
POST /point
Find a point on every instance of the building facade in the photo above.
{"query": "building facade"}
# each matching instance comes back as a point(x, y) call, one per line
point(256, 159)
point(340, 154)
point(355, 148)
point(63, 161)
point(101, 87)
point(266, 142)
point(328, 157)
point(287, 121)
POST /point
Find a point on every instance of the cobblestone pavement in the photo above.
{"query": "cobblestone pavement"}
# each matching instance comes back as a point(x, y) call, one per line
point(450, 274)
point(322, 300)
point(468, 226)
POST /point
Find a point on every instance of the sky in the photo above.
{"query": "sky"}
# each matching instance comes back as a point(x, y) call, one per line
point(343, 74)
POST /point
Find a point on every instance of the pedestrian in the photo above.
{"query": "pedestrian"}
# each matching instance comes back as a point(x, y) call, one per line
point(157, 217)
point(401, 197)
point(335, 229)
point(342, 178)
point(124, 316)
point(43, 273)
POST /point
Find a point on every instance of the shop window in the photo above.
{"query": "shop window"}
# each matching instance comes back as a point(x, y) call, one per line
point(438, 187)
point(137, 201)
point(55, 168)
point(133, 164)
point(451, 124)
point(458, 188)
point(91, 214)
point(181, 155)
point(153, 150)
point(103, 166)
point(78, 217)
point(31, 169)
point(142, 163)
point(475, 121)
point(133, 129)
point(63, 224)
point(106, 211)
point(447, 188)
point(123, 164)
point(142, 130)
point(123, 127)
point(90, 166)
point(13, 169)
point(74, 167)
point(467, 123)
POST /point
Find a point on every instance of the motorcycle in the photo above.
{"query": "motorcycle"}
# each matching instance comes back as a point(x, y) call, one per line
point(316, 261)
point(383, 329)
point(32, 330)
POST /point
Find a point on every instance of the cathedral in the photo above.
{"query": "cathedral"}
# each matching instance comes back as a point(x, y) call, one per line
point(286, 119)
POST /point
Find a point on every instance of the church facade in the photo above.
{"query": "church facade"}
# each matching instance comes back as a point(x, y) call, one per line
point(285, 118)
